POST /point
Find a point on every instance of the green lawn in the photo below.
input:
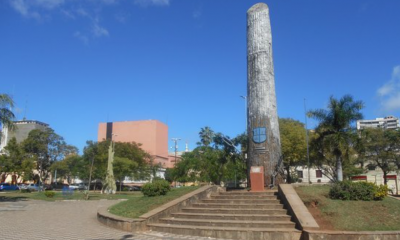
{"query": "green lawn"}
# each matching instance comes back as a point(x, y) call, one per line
point(136, 207)
point(351, 215)
point(18, 196)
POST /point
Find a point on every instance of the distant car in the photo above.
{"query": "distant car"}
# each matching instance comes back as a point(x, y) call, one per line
point(35, 187)
point(48, 187)
point(134, 188)
point(22, 186)
point(82, 186)
point(8, 187)
point(79, 186)
point(73, 187)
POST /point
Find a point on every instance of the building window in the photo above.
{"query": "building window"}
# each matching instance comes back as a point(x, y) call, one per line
point(371, 167)
point(318, 173)
point(300, 174)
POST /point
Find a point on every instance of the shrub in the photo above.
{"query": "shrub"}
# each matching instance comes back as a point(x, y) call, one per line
point(26, 190)
point(381, 192)
point(156, 188)
point(364, 191)
point(49, 194)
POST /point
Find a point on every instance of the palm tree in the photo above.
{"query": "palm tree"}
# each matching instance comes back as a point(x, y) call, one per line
point(335, 126)
point(6, 115)
point(206, 136)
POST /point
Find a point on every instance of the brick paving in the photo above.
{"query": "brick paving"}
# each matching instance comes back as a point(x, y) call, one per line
point(72, 220)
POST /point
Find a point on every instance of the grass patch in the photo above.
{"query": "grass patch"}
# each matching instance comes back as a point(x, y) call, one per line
point(18, 196)
point(136, 207)
point(351, 215)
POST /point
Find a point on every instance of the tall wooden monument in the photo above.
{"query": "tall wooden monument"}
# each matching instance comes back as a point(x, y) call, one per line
point(264, 151)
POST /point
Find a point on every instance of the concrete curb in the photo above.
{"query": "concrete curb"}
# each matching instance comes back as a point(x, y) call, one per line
point(140, 224)
point(299, 212)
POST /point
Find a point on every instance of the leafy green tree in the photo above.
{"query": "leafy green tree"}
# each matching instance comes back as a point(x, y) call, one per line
point(123, 167)
point(335, 128)
point(97, 153)
point(16, 162)
point(381, 147)
point(293, 143)
point(169, 175)
point(6, 115)
point(45, 147)
point(69, 168)
point(215, 160)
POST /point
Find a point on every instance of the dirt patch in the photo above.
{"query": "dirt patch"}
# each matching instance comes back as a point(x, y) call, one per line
point(323, 223)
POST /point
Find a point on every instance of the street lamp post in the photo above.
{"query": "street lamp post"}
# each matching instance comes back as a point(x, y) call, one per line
point(245, 109)
point(308, 152)
point(245, 155)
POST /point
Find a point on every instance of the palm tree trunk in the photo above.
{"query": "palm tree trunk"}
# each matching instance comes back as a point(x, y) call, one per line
point(339, 170)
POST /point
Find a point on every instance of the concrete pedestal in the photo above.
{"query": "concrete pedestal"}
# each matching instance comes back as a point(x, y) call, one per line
point(257, 179)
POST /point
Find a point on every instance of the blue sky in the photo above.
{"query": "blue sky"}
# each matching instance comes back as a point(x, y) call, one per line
point(76, 63)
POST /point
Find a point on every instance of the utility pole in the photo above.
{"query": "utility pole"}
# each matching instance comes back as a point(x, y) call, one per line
point(176, 149)
point(308, 152)
point(176, 146)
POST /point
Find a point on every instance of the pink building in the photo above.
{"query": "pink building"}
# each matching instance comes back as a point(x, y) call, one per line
point(152, 134)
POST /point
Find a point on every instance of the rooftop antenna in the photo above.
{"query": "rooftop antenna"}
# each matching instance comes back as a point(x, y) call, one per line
point(187, 147)
point(26, 108)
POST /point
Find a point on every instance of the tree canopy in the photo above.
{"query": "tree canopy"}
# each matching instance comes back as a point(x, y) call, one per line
point(130, 160)
point(380, 148)
point(335, 130)
point(6, 114)
point(293, 144)
point(215, 160)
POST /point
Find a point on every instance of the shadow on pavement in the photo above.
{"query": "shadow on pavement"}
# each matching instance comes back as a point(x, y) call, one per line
point(12, 199)
point(125, 237)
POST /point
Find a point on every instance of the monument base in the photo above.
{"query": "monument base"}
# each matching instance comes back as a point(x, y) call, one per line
point(257, 179)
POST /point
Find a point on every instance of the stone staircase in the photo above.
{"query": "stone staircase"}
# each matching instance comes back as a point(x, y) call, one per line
point(233, 215)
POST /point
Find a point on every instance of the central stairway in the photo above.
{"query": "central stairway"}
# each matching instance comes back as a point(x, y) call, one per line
point(233, 215)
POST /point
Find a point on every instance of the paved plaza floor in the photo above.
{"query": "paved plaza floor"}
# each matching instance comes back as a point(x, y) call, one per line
point(37, 220)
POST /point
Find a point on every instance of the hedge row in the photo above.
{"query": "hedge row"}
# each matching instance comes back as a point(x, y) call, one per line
point(364, 191)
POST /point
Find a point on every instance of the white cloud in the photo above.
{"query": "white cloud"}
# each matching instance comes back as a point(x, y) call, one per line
point(145, 3)
point(20, 6)
point(23, 7)
point(99, 31)
point(121, 17)
point(386, 89)
point(68, 14)
point(30, 8)
point(389, 93)
point(393, 103)
point(109, 1)
point(82, 12)
point(81, 37)
point(48, 4)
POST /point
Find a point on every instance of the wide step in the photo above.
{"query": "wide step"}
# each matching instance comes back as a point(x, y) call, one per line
point(245, 197)
point(246, 193)
point(235, 211)
point(254, 217)
point(239, 206)
point(229, 232)
point(228, 223)
point(241, 201)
